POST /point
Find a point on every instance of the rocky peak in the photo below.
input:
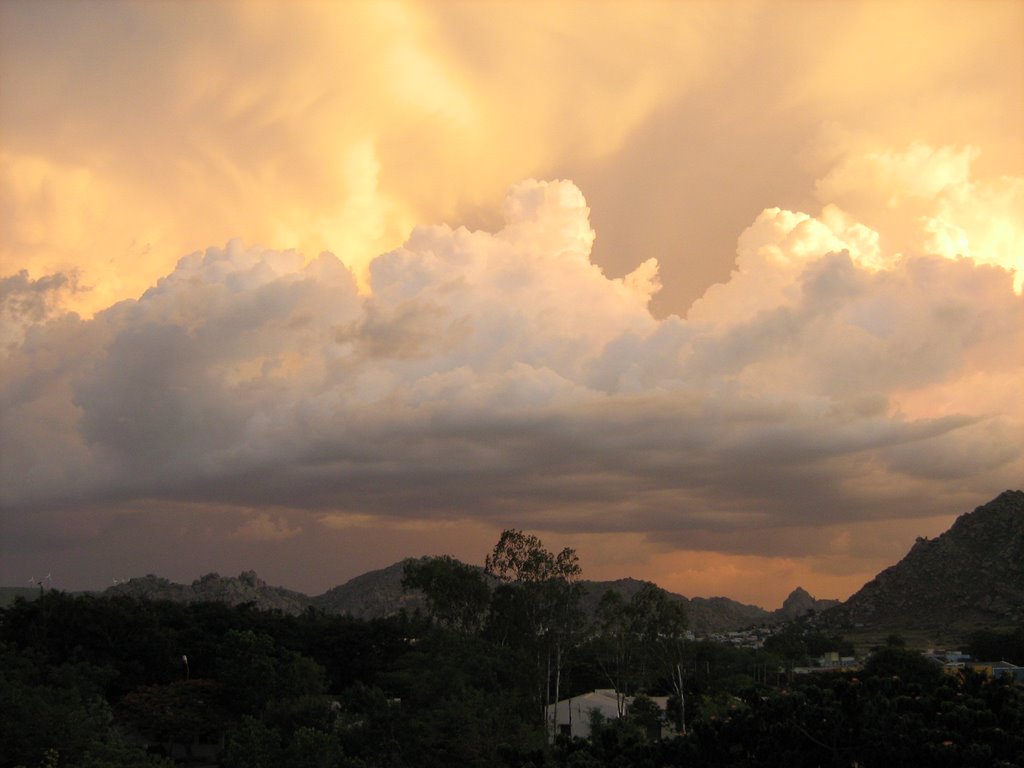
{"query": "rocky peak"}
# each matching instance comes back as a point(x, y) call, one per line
point(799, 603)
point(971, 575)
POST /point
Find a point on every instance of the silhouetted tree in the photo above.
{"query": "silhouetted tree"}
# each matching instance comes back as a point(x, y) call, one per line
point(457, 594)
point(550, 598)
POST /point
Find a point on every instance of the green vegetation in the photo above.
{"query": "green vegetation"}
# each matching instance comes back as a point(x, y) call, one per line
point(989, 645)
point(9, 594)
point(116, 682)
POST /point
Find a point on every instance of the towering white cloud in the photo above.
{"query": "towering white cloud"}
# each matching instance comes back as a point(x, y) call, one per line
point(504, 376)
point(928, 200)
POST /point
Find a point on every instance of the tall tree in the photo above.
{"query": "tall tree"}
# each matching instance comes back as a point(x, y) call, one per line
point(457, 594)
point(665, 640)
point(615, 645)
point(641, 641)
point(550, 592)
point(521, 558)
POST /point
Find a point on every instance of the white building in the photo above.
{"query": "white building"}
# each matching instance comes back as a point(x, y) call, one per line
point(571, 717)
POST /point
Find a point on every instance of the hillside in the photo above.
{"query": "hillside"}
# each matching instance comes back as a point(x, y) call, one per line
point(214, 588)
point(706, 614)
point(799, 603)
point(971, 576)
point(379, 593)
point(372, 595)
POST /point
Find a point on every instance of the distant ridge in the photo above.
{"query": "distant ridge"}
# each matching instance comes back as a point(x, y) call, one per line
point(969, 577)
point(379, 593)
point(706, 615)
point(372, 595)
point(247, 587)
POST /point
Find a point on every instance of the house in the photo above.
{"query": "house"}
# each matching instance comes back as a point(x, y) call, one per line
point(998, 669)
point(828, 662)
point(573, 716)
point(832, 660)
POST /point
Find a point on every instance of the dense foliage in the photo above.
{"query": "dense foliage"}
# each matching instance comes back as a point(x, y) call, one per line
point(998, 646)
point(114, 682)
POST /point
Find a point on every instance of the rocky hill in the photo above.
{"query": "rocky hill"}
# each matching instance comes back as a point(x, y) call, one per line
point(799, 603)
point(706, 614)
point(371, 596)
point(214, 588)
point(379, 593)
point(970, 576)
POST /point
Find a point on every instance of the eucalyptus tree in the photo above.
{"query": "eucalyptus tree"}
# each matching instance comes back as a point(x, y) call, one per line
point(641, 642)
point(616, 645)
point(666, 640)
point(457, 594)
point(546, 588)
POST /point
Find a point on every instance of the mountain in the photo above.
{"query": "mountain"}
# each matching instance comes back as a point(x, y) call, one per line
point(214, 588)
point(800, 603)
point(706, 615)
point(709, 615)
point(379, 593)
point(969, 577)
point(371, 596)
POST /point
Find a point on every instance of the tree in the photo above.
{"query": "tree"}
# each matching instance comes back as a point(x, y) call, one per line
point(253, 670)
point(662, 626)
point(904, 666)
point(522, 559)
point(457, 595)
point(645, 713)
point(615, 645)
point(548, 584)
point(641, 641)
point(179, 712)
point(253, 744)
point(993, 646)
point(313, 748)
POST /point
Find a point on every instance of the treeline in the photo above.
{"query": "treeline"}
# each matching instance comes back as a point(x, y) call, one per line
point(116, 682)
point(989, 645)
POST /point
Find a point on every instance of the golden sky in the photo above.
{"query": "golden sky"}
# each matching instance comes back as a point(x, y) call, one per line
point(725, 295)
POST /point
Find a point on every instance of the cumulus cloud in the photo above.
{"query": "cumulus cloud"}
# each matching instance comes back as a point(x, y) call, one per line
point(503, 377)
point(928, 200)
point(25, 301)
point(313, 125)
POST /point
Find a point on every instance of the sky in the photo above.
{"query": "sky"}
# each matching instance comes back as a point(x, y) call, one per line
point(726, 296)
